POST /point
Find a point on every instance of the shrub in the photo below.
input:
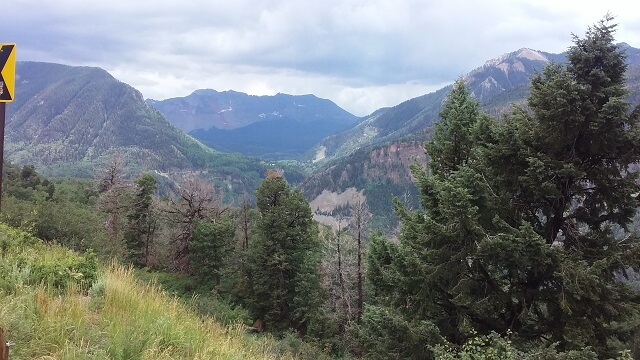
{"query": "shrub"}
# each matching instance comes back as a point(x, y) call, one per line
point(25, 260)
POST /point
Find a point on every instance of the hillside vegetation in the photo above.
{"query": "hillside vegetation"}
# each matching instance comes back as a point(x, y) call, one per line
point(524, 242)
point(57, 304)
point(74, 117)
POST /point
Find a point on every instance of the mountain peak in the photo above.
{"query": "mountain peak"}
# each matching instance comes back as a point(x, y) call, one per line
point(506, 72)
point(531, 54)
point(523, 53)
point(204, 92)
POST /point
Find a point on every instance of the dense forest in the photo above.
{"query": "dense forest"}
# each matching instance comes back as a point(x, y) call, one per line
point(522, 242)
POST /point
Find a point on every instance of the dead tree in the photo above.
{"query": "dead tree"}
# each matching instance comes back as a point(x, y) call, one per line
point(113, 199)
point(196, 199)
point(359, 219)
point(339, 273)
point(346, 304)
point(244, 224)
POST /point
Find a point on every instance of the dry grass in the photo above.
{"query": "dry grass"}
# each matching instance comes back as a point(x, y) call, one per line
point(120, 318)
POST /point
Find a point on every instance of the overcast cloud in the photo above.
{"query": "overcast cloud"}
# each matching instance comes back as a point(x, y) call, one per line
point(361, 54)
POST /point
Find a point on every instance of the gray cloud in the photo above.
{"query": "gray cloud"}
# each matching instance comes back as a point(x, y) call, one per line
point(362, 54)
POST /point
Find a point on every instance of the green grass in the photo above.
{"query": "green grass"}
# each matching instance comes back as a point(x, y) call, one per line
point(117, 317)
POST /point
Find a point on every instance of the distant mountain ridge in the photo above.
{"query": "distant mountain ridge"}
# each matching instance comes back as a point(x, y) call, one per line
point(275, 127)
point(207, 108)
point(496, 84)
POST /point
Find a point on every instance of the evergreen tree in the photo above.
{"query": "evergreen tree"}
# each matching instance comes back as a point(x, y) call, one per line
point(284, 258)
point(516, 230)
point(563, 167)
point(235, 275)
point(211, 244)
point(453, 139)
point(141, 223)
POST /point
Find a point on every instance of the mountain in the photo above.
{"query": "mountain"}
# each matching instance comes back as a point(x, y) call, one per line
point(407, 119)
point(70, 120)
point(76, 116)
point(273, 127)
point(204, 109)
point(375, 155)
point(507, 73)
point(498, 82)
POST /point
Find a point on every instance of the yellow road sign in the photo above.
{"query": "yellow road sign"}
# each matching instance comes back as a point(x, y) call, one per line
point(7, 72)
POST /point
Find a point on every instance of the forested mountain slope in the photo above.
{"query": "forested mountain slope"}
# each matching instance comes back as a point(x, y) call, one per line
point(496, 84)
point(375, 155)
point(72, 117)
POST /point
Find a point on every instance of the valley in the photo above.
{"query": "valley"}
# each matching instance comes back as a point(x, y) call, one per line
point(68, 121)
point(495, 217)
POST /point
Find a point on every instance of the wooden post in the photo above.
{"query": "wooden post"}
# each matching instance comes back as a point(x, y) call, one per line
point(3, 110)
point(4, 349)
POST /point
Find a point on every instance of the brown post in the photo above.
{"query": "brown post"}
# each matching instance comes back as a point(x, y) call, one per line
point(4, 349)
point(2, 121)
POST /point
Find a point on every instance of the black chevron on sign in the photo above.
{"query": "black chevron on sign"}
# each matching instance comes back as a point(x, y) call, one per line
point(5, 52)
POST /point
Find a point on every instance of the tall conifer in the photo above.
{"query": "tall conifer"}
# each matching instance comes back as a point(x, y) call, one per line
point(284, 258)
point(523, 225)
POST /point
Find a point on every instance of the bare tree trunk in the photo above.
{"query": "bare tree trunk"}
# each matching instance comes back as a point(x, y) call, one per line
point(245, 225)
point(360, 217)
point(345, 302)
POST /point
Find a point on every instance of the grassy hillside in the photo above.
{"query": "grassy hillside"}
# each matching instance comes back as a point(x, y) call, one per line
point(57, 304)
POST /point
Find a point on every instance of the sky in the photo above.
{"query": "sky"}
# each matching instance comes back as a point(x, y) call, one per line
point(361, 54)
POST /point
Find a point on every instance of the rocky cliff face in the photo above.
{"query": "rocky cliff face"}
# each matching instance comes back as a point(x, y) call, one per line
point(506, 72)
point(383, 172)
point(392, 162)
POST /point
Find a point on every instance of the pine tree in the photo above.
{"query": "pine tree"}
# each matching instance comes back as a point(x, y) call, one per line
point(518, 220)
point(438, 241)
point(563, 167)
point(284, 258)
point(453, 139)
point(141, 223)
point(211, 244)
